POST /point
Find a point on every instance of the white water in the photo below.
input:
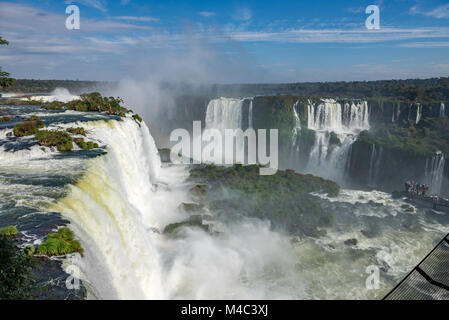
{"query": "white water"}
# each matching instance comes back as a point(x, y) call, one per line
point(434, 172)
point(345, 122)
point(442, 109)
point(126, 195)
point(59, 94)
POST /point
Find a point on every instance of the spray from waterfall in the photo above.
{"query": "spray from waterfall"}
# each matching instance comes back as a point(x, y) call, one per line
point(442, 111)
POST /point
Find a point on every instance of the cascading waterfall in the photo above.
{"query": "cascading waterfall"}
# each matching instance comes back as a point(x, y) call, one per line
point(296, 132)
point(227, 113)
point(336, 129)
point(434, 172)
point(250, 114)
point(224, 113)
point(442, 112)
point(297, 128)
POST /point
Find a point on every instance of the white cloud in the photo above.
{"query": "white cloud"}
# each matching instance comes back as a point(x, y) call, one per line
point(97, 4)
point(438, 12)
point(134, 18)
point(207, 13)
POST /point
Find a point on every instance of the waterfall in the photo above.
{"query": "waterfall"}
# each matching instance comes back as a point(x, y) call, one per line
point(296, 132)
point(396, 112)
point(374, 165)
point(442, 112)
point(112, 207)
point(418, 113)
point(250, 114)
point(224, 113)
point(297, 128)
point(119, 209)
point(371, 165)
point(434, 172)
point(336, 128)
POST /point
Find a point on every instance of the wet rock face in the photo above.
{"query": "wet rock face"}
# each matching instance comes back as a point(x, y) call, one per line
point(165, 155)
point(199, 190)
point(351, 242)
point(191, 207)
point(193, 221)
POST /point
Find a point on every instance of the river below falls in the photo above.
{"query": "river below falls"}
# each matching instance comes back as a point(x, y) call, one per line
point(117, 199)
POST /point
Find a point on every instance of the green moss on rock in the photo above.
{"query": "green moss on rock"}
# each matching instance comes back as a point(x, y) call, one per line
point(55, 105)
point(60, 243)
point(137, 118)
point(78, 130)
point(85, 145)
point(193, 221)
point(60, 139)
point(29, 250)
point(28, 128)
point(9, 231)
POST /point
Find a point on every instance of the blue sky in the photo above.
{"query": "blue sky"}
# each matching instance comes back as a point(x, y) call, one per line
point(226, 41)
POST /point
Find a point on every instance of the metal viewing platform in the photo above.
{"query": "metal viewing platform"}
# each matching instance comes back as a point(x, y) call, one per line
point(429, 280)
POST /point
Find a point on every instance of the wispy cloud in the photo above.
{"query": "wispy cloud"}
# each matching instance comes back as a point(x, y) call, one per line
point(97, 4)
point(207, 13)
point(434, 44)
point(341, 35)
point(242, 14)
point(135, 18)
point(440, 12)
point(356, 10)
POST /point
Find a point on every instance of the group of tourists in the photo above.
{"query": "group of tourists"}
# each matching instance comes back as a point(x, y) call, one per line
point(416, 188)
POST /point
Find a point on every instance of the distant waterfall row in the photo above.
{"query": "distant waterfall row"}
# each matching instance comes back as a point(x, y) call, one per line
point(331, 115)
